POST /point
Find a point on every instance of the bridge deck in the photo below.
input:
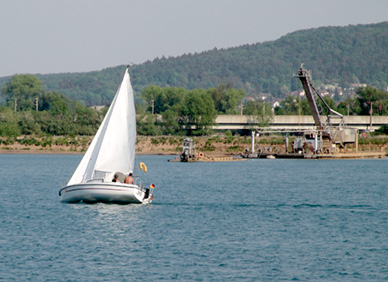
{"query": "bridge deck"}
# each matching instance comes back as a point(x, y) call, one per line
point(234, 122)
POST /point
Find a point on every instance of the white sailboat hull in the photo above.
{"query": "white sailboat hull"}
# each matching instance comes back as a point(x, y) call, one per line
point(119, 193)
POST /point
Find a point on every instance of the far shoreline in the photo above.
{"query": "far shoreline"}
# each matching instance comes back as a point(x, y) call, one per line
point(212, 146)
point(58, 152)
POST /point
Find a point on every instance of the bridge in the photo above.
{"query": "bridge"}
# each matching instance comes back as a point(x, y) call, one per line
point(295, 122)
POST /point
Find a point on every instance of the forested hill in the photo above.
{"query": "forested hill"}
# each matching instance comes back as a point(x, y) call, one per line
point(343, 55)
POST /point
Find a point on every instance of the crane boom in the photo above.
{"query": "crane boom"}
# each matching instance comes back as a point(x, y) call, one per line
point(312, 94)
point(304, 79)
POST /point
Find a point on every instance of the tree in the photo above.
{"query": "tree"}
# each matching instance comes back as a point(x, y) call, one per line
point(371, 98)
point(23, 89)
point(28, 124)
point(86, 119)
point(146, 125)
point(9, 123)
point(162, 99)
point(351, 106)
point(150, 94)
point(171, 120)
point(198, 112)
point(288, 106)
point(226, 99)
point(250, 108)
point(55, 103)
point(261, 110)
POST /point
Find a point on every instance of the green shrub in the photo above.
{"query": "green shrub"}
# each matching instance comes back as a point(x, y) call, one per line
point(163, 140)
point(29, 141)
point(9, 141)
point(235, 149)
point(47, 142)
point(60, 141)
point(382, 130)
point(73, 141)
point(228, 140)
point(174, 141)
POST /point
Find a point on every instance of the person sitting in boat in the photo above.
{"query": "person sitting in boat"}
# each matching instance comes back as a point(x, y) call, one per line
point(129, 179)
point(116, 179)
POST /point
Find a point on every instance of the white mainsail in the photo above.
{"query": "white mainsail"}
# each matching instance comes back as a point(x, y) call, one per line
point(113, 147)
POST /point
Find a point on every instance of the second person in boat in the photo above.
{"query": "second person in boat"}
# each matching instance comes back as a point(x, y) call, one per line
point(129, 179)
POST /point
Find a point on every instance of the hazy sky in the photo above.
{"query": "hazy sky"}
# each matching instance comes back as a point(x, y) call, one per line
point(52, 36)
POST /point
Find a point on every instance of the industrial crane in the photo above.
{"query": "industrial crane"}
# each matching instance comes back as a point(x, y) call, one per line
point(326, 135)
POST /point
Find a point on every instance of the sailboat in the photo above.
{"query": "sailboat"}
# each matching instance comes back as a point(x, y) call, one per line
point(110, 156)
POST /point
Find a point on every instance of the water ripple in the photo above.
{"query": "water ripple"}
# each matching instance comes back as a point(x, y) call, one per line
point(244, 221)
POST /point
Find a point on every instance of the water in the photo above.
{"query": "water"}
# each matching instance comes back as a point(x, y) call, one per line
point(258, 220)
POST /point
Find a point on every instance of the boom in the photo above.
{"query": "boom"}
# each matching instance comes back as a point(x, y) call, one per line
point(312, 96)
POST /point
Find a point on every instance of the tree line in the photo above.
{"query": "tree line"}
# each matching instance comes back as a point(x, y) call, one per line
point(31, 110)
point(191, 112)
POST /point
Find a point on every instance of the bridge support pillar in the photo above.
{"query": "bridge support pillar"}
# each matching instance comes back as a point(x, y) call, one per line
point(252, 142)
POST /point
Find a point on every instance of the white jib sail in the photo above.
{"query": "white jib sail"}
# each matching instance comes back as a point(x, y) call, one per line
point(113, 147)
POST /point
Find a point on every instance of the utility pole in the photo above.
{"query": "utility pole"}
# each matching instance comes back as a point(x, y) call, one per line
point(153, 106)
point(16, 103)
point(370, 112)
point(36, 103)
point(241, 108)
point(299, 109)
point(263, 99)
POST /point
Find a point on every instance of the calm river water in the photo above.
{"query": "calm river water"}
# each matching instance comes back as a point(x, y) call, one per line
point(255, 220)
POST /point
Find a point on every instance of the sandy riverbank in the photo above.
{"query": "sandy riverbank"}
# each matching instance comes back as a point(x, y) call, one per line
point(144, 146)
point(162, 145)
